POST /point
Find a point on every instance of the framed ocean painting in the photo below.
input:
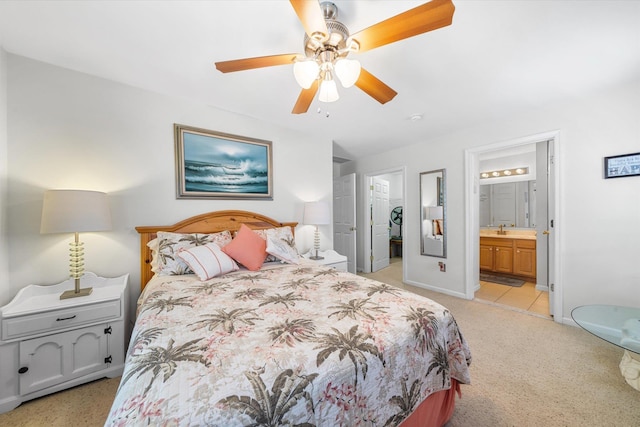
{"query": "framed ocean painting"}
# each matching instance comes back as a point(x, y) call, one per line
point(221, 166)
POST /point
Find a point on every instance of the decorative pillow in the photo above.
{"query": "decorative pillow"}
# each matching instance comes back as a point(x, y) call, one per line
point(153, 245)
point(208, 261)
point(284, 232)
point(281, 244)
point(169, 244)
point(263, 233)
point(247, 248)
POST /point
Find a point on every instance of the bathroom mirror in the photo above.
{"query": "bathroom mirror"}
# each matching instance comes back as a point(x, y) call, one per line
point(433, 213)
point(512, 204)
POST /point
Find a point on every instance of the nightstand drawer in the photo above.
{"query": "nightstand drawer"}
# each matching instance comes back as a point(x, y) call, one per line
point(21, 326)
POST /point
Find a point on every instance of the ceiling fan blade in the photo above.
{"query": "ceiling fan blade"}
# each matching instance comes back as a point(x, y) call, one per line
point(374, 87)
point(312, 18)
point(258, 62)
point(430, 16)
point(305, 98)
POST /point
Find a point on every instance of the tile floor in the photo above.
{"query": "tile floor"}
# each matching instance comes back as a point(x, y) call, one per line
point(525, 298)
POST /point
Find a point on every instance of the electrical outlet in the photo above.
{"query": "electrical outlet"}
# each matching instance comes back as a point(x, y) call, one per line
point(443, 266)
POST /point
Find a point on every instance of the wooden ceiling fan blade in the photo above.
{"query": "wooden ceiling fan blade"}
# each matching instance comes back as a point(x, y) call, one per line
point(427, 17)
point(374, 87)
point(257, 62)
point(305, 98)
point(312, 18)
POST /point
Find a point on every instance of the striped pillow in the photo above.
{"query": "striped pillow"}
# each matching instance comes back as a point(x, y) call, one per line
point(208, 261)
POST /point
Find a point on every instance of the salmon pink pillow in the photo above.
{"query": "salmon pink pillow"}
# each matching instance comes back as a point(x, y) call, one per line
point(247, 248)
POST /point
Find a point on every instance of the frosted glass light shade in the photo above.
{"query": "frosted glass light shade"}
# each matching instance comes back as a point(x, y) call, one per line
point(316, 213)
point(328, 91)
point(306, 72)
point(348, 71)
point(73, 211)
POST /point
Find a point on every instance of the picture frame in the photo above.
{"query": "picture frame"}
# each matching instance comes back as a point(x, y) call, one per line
point(622, 165)
point(216, 165)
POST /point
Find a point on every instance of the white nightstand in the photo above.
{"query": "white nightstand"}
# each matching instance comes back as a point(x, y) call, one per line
point(331, 258)
point(48, 344)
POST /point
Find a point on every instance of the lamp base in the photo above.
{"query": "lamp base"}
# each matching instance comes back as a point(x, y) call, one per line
point(316, 257)
point(80, 293)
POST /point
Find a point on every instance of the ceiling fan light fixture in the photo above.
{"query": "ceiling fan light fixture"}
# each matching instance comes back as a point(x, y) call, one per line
point(328, 89)
point(305, 72)
point(348, 71)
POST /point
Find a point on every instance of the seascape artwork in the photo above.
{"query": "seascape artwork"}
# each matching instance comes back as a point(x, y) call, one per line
point(217, 166)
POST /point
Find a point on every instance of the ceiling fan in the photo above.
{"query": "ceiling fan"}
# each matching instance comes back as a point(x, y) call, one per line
point(327, 44)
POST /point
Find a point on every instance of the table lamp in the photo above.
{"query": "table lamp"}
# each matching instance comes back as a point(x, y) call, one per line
point(316, 213)
point(433, 213)
point(75, 211)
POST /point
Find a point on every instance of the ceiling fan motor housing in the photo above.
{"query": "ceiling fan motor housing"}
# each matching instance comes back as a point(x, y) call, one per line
point(336, 43)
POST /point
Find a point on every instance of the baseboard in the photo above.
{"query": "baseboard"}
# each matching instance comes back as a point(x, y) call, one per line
point(437, 289)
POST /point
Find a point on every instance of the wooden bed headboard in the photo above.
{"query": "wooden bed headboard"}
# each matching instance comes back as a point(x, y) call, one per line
point(211, 222)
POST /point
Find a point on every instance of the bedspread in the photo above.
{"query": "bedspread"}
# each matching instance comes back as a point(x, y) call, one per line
point(298, 345)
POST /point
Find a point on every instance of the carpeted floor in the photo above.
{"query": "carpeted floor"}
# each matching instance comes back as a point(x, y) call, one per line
point(526, 371)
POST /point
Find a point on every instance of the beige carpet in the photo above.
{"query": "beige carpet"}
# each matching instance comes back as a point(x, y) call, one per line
point(526, 371)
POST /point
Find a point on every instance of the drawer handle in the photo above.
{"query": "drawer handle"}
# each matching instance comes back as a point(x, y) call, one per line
point(60, 319)
point(23, 370)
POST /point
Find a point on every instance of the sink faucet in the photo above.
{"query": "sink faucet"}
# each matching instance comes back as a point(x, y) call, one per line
point(501, 231)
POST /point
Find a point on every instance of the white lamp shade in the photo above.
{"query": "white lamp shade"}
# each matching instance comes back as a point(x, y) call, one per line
point(72, 211)
point(348, 71)
point(433, 212)
point(328, 91)
point(306, 72)
point(316, 213)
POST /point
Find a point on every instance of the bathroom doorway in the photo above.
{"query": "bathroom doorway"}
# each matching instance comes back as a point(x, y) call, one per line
point(541, 209)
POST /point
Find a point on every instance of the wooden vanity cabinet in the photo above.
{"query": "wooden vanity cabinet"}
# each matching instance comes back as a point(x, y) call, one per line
point(496, 254)
point(524, 258)
point(508, 256)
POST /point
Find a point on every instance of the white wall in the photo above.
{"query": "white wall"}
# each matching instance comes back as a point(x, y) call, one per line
point(72, 130)
point(4, 243)
point(600, 218)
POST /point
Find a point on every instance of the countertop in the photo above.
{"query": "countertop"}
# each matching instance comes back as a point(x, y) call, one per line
point(511, 234)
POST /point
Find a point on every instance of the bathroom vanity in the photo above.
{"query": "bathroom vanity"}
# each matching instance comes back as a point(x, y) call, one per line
point(512, 253)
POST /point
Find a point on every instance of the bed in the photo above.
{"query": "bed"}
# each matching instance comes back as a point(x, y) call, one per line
point(287, 342)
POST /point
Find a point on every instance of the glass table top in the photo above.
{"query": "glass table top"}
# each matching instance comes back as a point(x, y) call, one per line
point(617, 325)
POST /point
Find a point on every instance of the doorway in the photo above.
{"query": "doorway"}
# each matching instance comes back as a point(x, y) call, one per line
point(376, 236)
point(547, 229)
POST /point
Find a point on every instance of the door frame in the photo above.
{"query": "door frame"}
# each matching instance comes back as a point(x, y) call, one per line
point(366, 219)
point(472, 220)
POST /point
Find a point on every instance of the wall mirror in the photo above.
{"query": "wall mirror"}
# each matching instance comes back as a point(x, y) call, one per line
point(512, 204)
point(433, 213)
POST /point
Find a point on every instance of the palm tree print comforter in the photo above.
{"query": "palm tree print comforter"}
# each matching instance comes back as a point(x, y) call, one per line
point(293, 345)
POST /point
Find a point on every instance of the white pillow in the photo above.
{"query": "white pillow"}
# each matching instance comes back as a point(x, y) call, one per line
point(170, 244)
point(280, 244)
point(208, 261)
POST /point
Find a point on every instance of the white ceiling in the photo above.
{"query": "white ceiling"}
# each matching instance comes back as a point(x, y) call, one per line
point(498, 58)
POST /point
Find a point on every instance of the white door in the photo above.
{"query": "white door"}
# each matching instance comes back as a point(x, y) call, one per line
point(379, 224)
point(545, 209)
point(504, 211)
point(344, 218)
